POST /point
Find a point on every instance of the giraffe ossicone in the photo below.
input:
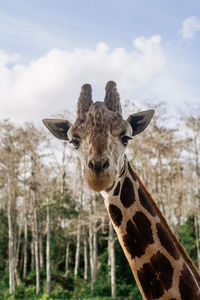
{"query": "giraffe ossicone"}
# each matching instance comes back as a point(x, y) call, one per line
point(100, 135)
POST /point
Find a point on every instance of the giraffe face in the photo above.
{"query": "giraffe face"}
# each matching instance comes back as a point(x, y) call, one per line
point(100, 138)
point(100, 135)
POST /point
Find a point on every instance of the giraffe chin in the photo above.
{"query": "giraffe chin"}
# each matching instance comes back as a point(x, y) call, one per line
point(99, 183)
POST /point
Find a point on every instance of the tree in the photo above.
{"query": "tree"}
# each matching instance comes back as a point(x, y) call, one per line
point(10, 159)
point(111, 254)
point(48, 260)
point(193, 125)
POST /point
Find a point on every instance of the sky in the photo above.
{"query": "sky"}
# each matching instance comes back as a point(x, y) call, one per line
point(48, 49)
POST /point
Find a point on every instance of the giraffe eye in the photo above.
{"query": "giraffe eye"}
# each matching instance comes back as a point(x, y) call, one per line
point(76, 143)
point(125, 139)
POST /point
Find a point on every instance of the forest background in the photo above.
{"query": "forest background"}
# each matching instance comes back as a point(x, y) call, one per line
point(56, 239)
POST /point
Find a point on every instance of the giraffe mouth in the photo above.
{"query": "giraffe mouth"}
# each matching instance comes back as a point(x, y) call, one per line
point(99, 181)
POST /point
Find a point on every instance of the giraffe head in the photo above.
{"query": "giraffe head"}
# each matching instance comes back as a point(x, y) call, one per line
point(100, 135)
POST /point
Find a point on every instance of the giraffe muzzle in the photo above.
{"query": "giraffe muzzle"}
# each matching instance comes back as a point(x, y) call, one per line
point(98, 165)
point(99, 173)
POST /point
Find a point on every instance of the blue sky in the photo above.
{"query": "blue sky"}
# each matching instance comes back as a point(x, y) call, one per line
point(34, 27)
point(49, 48)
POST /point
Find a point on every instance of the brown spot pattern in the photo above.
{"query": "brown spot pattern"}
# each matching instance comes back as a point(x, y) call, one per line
point(166, 241)
point(156, 276)
point(127, 195)
point(145, 201)
point(138, 235)
point(131, 172)
point(115, 214)
point(187, 286)
point(117, 189)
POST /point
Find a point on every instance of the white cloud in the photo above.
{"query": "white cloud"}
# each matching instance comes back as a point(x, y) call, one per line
point(52, 82)
point(6, 59)
point(190, 26)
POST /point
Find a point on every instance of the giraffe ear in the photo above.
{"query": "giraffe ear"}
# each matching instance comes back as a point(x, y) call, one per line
point(140, 121)
point(58, 128)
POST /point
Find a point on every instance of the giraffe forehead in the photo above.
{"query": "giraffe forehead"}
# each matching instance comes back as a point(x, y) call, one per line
point(99, 116)
point(99, 121)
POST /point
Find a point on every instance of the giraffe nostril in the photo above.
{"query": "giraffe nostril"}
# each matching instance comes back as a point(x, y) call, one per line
point(106, 164)
point(90, 165)
point(98, 165)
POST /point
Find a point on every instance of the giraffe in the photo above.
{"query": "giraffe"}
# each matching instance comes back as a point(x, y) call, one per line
point(159, 263)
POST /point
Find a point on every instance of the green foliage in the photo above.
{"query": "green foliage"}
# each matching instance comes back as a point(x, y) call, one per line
point(100, 298)
point(62, 288)
point(102, 288)
point(123, 271)
point(59, 293)
point(81, 290)
point(67, 288)
point(126, 285)
point(187, 238)
point(63, 205)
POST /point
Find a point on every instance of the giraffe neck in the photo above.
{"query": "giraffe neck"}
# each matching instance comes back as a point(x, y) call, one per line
point(159, 263)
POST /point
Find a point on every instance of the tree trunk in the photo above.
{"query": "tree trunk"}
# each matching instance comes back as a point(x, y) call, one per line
point(32, 254)
point(112, 259)
point(25, 246)
point(36, 244)
point(63, 172)
point(95, 253)
point(197, 200)
point(91, 256)
point(48, 261)
point(85, 255)
point(18, 281)
point(197, 234)
point(95, 244)
point(10, 242)
point(77, 256)
point(41, 250)
point(67, 260)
